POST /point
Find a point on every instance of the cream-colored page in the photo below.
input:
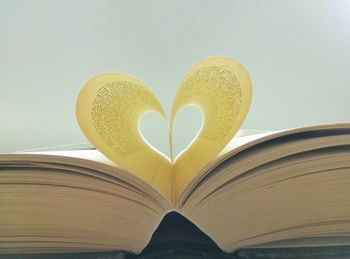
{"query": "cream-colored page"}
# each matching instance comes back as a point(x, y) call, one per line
point(221, 88)
point(109, 108)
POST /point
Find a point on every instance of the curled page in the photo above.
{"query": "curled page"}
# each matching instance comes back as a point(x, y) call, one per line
point(221, 88)
point(109, 108)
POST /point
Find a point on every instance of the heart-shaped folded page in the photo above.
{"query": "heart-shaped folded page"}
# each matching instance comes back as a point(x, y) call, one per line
point(110, 105)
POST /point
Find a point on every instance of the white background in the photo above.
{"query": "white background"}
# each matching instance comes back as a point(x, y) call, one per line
point(297, 52)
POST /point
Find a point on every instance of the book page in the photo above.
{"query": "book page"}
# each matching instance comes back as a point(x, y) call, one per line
point(240, 144)
point(221, 88)
point(109, 108)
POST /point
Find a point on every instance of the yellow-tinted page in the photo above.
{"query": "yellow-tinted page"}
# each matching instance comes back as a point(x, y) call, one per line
point(221, 88)
point(109, 108)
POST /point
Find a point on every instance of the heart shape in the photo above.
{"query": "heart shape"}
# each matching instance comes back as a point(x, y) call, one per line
point(110, 105)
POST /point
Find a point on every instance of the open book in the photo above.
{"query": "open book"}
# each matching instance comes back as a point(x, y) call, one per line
point(241, 191)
